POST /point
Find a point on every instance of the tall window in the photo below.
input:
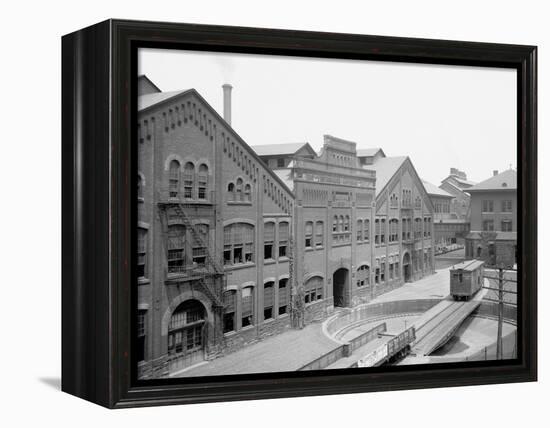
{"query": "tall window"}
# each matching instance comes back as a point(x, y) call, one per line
point(383, 231)
point(269, 241)
point(141, 317)
point(363, 273)
point(247, 305)
point(176, 248)
point(284, 292)
point(359, 231)
point(309, 234)
point(229, 310)
point(281, 162)
point(139, 187)
point(313, 289)
point(231, 192)
point(346, 224)
point(417, 228)
point(188, 180)
point(383, 271)
point(487, 206)
point(335, 224)
point(506, 225)
point(377, 231)
point(283, 239)
point(506, 206)
point(142, 253)
point(393, 200)
point(418, 202)
point(248, 193)
point(174, 178)
point(366, 235)
point(268, 300)
point(239, 189)
point(319, 232)
point(203, 182)
point(200, 244)
point(488, 225)
point(394, 230)
point(238, 243)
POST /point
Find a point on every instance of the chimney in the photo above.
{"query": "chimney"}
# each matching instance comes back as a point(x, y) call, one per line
point(495, 172)
point(227, 102)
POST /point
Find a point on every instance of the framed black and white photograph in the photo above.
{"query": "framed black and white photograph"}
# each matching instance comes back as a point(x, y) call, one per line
point(255, 213)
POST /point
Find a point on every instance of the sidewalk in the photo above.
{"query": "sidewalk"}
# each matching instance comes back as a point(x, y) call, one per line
point(287, 351)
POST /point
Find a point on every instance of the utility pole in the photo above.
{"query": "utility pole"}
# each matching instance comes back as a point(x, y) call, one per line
point(500, 311)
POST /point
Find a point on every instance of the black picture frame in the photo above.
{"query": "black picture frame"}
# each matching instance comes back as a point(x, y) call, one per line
point(98, 191)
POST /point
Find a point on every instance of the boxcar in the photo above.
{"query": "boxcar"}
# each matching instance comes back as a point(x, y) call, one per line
point(466, 279)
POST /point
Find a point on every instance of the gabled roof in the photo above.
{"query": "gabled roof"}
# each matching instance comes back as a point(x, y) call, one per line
point(145, 83)
point(153, 100)
point(506, 180)
point(284, 175)
point(282, 149)
point(385, 169)
point(433, 190)
point(465, 183)
point(149, 100)
point(369, 152)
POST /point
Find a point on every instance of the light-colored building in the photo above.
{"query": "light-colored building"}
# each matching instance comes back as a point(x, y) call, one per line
point(457, 184)
point(493, 220)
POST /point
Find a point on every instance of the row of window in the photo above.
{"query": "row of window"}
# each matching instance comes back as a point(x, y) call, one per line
point(407, 200)
point(489, 206)
point(195, 181)
point(505, 225)
point(239, 192)
point(244, 307)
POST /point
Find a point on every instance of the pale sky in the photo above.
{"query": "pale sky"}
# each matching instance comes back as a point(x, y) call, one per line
point(439, 116)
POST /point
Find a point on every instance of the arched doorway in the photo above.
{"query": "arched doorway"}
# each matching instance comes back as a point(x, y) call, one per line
point(340, 286)
point(186, 335)
point(407, 267)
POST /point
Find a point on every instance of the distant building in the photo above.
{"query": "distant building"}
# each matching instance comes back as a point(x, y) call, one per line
point(448, 229)
point(457, 184)
point(279, 156)
point(493, 220)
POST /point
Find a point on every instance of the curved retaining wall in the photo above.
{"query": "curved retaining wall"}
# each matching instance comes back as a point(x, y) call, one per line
point(371, 312)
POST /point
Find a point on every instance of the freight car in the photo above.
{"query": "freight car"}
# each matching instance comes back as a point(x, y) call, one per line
point(388, 348)
point(466, 279)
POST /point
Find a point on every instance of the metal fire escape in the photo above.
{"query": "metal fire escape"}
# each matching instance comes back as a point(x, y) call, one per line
point(208, 276)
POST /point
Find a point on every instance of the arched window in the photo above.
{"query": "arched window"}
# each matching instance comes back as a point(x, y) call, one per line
point(313, 289)
point(139, 187)
point(346, 224)
point(309, 234)
point(142, 253)
point(203, 182)
point(269, 241)
point(185, 331)
point(283, 239)
point(176, 248)
point(247, 306)
point(188, 180)
point(174, 178)
point(363, 276)
point(335, 224)
point(231, 192)
point(284, 295)
point(359, 231)
point(247, 193)
point(319, 232)
point(239, 189)
point(268, 299)
point(229, 310)
point(238, 243)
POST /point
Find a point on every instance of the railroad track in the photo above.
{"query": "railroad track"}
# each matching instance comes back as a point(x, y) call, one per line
point(444, 322)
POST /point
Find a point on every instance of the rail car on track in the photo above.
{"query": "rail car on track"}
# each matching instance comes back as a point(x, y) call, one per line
point(466, 279)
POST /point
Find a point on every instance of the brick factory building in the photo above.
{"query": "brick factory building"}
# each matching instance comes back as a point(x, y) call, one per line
point(457, 184)
point(236, 244)
point(493, 220)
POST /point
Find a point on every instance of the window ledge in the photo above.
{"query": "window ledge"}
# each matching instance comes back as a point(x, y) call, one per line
point(247, 203)
point(239, 266)
point(230, 333)
point(284, 259)
point(309, 249)
point(269, 261)
point(143, 281)
point(248, 327)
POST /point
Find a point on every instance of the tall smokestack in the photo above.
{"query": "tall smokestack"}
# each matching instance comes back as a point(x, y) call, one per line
point(227, 102)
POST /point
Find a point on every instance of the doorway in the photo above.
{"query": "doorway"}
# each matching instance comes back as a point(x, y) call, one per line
point(340, 286)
